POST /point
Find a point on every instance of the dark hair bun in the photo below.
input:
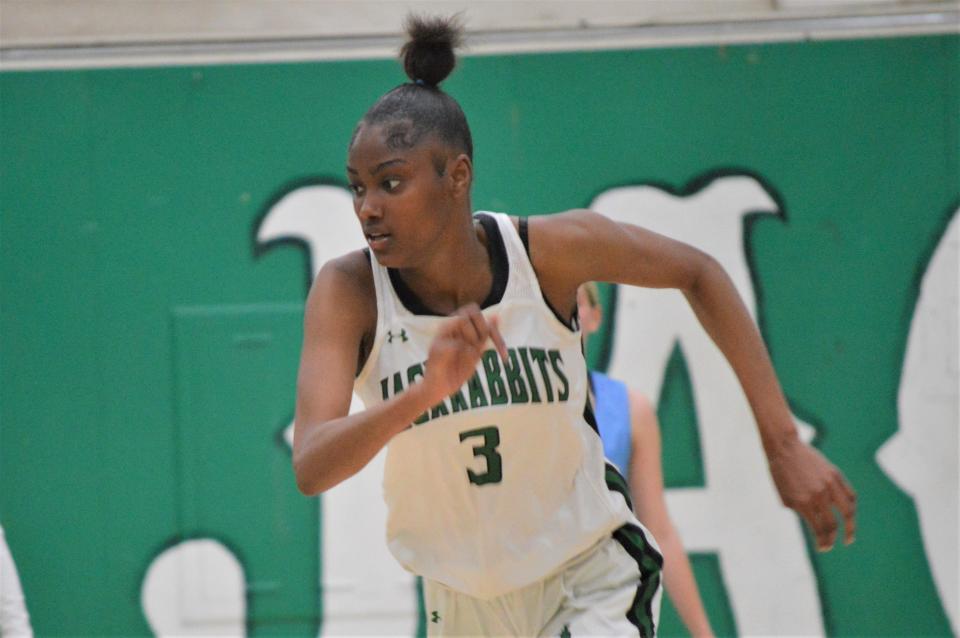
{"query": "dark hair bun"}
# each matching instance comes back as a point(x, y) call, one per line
point(428, 54)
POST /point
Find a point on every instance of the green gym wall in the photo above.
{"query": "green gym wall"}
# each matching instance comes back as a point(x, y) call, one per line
point(151, 331)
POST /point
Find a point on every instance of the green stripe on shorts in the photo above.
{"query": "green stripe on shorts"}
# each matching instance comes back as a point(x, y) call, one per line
point(640, 613)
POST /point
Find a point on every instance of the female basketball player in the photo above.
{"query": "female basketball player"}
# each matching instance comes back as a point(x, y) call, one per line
point(494, 480)
point(630, 433)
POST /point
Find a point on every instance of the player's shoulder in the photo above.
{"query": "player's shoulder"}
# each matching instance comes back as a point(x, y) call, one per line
point(346, 281)
point(638, 399)
point(352, 268)
point(566, 228)
point(565, 219)
point(553, 238)
point(560, 222)
point(641, 408)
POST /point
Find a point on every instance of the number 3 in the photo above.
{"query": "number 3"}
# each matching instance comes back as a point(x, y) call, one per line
point(491, 439)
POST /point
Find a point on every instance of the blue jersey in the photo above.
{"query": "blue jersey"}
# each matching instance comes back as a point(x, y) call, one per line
point(613, 418)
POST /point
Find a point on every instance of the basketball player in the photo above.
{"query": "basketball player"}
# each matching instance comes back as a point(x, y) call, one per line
point(457, 332)
point(631, 440)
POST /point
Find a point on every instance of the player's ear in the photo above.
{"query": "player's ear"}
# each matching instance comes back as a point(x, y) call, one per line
point(461, 175)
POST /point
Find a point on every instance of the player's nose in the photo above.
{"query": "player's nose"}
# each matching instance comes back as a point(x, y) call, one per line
point(369, 208)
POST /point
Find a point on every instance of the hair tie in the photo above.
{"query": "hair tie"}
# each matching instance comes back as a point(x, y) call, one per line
point(419, 82)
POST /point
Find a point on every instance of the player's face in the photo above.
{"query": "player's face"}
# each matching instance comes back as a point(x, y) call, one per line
point(402, 203)
point(588, 315)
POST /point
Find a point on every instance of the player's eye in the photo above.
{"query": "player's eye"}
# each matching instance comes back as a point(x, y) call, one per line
point(356, 189)
point(391, 185)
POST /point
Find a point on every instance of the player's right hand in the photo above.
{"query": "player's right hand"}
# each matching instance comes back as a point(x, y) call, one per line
point(457, 348)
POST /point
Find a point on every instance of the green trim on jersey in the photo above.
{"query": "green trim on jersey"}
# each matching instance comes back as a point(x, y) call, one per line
point(617, 483)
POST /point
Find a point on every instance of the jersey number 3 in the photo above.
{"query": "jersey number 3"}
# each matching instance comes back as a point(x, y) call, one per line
point(488, 450)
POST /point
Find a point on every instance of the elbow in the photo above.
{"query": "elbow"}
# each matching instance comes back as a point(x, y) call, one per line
point(307, 466)
point(660, 527)
point(705, 270)
point(308, 482)
point(304, 484)
point(306, 488)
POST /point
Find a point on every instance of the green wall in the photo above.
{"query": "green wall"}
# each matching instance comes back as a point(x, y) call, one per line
point(131, 417)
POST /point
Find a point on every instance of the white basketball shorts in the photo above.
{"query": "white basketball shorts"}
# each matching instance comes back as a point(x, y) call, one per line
point(612, 589)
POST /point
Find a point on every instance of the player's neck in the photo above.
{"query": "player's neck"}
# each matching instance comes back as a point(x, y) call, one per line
point(456, 272)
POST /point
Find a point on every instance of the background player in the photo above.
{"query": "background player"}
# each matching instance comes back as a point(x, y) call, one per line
point(631, 440)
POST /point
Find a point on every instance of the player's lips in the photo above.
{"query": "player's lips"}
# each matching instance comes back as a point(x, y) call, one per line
point(377, 241)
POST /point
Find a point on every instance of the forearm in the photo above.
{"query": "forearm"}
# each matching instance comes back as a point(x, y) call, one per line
point(805, 480)
point(332, 452)
point(723, 315)
point(681, 585)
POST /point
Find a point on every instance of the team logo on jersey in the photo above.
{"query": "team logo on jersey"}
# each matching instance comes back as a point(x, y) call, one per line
point(528, 375)
point(402, 335)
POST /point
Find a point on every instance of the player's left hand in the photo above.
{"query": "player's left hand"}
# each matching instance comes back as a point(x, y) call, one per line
point(812, 486)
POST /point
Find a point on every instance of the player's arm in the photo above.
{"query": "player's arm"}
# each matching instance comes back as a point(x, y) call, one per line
point(646, 486)
point(330, 445)
point(627, 254)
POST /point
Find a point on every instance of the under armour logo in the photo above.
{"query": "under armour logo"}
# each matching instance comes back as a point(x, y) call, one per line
point(402, 335)
point(434, 617)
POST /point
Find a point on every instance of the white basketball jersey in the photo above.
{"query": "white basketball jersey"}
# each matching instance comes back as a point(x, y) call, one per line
point(505, 481)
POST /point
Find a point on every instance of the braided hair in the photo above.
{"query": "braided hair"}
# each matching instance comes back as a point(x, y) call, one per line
point(418, 108)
